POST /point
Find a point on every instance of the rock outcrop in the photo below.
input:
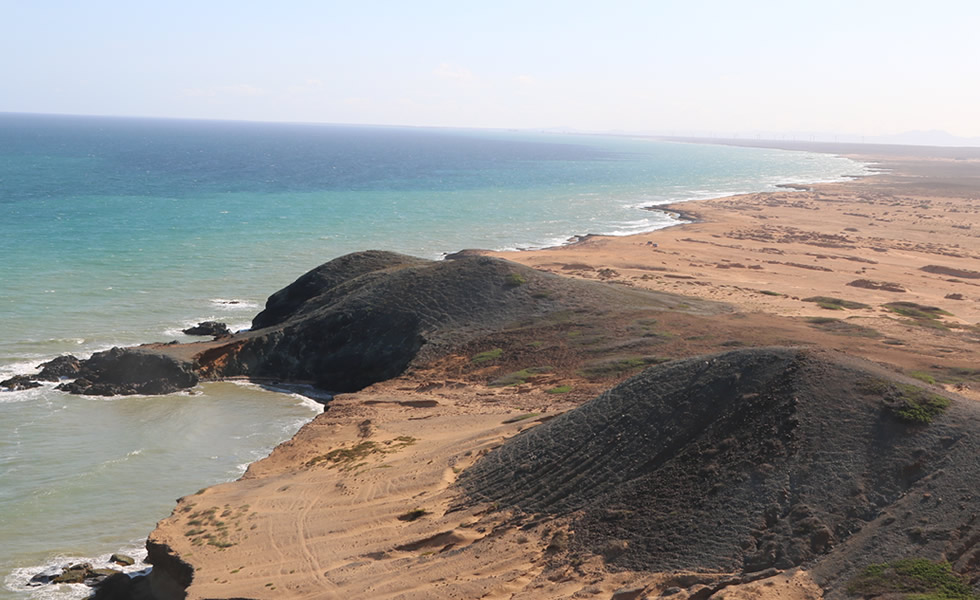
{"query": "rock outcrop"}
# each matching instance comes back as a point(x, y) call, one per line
point(365, 317)
point(63, 367)
point(19, 383)
point(212, 328)
point(753, 459)
point(128, 371)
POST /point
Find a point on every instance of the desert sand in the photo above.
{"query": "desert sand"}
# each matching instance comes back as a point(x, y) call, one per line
point(360, 503)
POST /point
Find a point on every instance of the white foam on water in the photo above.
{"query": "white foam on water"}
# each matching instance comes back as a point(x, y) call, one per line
point(232, 303)
point(18, 580)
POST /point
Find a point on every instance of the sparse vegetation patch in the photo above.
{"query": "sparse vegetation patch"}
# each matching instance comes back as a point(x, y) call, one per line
point(907, 403)
point(519, 377)
point(488, 356)
point(561, 389)
point(839, 327)
point(352, 457)
point(922, 376)
point(911, 579)
point(615, 367)
point(916, 311)
point(208, 527)
point(831, 303)
point(515, 280)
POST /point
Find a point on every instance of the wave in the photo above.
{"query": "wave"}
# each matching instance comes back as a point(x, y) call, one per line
point(18, 580)
point(232, 304)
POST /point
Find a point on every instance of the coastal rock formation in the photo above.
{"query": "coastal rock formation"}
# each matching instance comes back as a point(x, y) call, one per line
point(65, 366)
point(753, 459)
point(365, 317)
point(127, 371)
point(212, 328)
point(18, 383)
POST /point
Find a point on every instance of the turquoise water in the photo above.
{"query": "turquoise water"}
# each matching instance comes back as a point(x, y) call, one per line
point(123, 231)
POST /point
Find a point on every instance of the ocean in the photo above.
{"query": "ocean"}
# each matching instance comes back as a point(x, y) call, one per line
point(120, 231)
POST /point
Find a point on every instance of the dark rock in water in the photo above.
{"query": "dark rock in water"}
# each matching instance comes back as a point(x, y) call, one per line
point(46, 576)
point(749, 460)
point(74, 574)
point(122, 559)
point(71, 576)
point(66, 366)
point(214, 328)
point(127, 371)
point(19, 382)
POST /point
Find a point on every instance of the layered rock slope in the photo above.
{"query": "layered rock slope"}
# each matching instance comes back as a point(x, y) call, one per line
point(753, 459)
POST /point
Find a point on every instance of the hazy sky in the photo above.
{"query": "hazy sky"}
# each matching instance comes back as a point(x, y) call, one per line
point(862, 67)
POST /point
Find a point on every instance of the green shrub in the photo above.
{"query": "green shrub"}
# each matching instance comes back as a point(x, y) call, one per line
point(907, 403)
point(831, 303)
point(922, 376)
point(916, 311)
point(519, 377)
point(488, 356)
point(561, 389)
point(514, 280)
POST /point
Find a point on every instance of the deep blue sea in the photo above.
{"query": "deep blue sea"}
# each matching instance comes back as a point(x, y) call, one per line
point(122, 231)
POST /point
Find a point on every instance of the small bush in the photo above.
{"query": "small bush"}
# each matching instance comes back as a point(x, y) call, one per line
point(916, 311)
point(822, 320)
point(921, 408)
point(515, 280)
point(907, 403)
point(413, 515)
point(519, 377)
point(922, 376)
point(615, 367)
point(488, 356)
point(831, 303)
point(561, 389)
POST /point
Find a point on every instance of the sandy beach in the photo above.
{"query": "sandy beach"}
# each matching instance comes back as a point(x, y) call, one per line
point(361, 503)
point(911, 234)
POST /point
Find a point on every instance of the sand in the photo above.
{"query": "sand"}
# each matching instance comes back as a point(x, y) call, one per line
point(360, 503)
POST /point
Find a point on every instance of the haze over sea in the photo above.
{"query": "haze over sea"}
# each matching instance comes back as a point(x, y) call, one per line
point(124, 231)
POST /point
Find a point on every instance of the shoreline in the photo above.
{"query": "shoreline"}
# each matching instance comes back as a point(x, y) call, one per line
point(769, 251)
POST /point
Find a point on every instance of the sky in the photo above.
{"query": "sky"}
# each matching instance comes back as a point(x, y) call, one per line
point(670, 67)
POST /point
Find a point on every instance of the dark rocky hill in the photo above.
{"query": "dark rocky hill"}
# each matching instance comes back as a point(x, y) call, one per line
point(754, 459)
point(365, 317)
